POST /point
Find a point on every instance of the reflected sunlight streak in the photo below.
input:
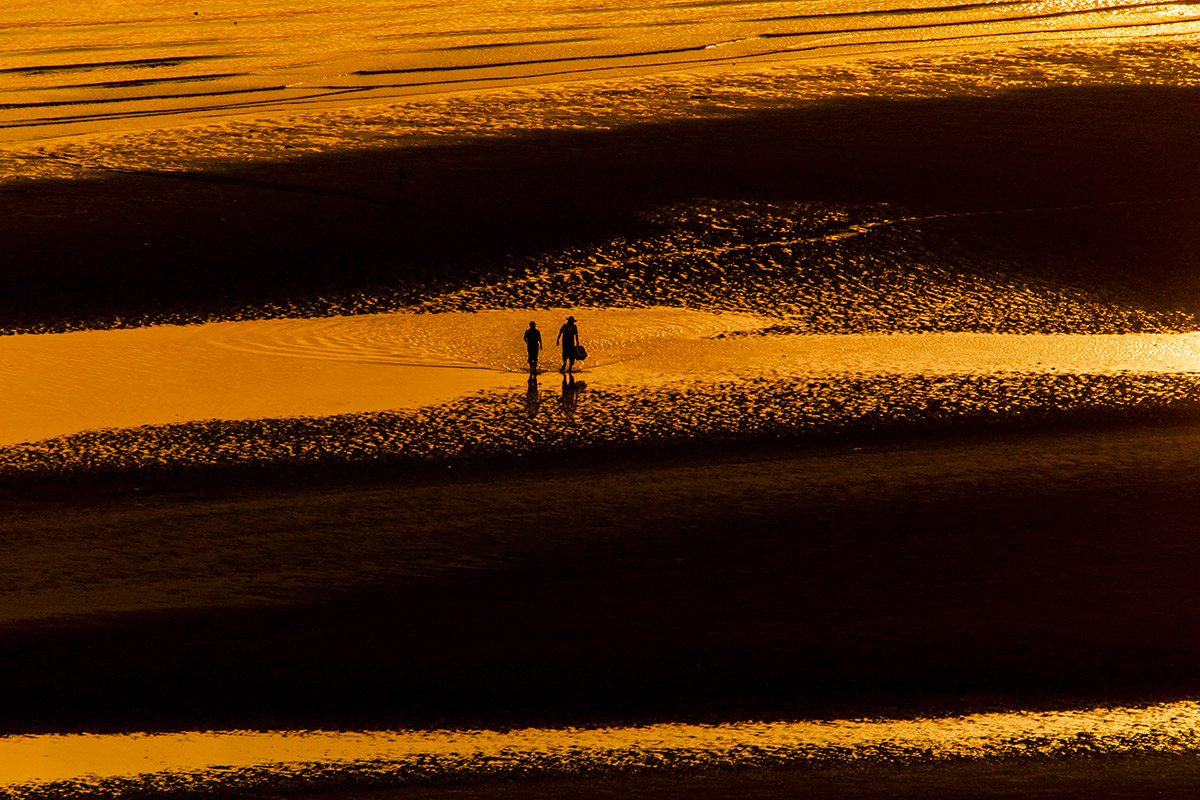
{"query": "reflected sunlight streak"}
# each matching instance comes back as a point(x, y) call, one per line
point(216, 757)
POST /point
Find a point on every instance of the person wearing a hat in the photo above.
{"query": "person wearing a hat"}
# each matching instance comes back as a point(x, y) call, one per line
point(568, 335)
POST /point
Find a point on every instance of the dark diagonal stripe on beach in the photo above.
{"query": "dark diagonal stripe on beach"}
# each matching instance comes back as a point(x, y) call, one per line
point(982, 22)
point(536, 61)
point(201, 177)
point(166, 61)
point(138, 98)
point(960, 8)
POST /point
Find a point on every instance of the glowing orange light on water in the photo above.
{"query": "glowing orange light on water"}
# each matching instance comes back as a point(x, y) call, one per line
point(210, 758)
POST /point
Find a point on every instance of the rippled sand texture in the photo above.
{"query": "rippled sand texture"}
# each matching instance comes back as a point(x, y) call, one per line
point(571, 417)
point(88, 380)
point(105, 67)
point(64, 384)
point(826, 513)
point(1024, 190)
point(180, 764)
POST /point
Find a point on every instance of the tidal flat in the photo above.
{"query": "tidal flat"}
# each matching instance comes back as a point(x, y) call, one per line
point(685, 533)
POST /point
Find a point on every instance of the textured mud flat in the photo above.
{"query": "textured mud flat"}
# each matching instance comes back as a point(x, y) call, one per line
point(573, 419)
point(841, 754)
point(748, 548)
point(1018, 190)
point(868, 577)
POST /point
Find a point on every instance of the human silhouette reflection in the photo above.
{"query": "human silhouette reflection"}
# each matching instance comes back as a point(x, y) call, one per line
point(570, 395)
point(533, 398)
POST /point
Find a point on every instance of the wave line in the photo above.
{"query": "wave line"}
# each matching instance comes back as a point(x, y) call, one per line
point(963, 23)
point(166, 61)
point(534, 61)
point(139, 98)
point(957, 8)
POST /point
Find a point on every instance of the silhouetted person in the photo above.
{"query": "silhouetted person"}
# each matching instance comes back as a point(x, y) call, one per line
point(533, 398)
point(533, 342)
point(568, 335)
point(400, 173)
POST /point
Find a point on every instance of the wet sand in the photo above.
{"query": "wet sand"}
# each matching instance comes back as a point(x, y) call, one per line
point(1057, 780)
point(690, 760)
point(923, 571)
point(75, 383)
point(1012, 176)
point(1041, 571)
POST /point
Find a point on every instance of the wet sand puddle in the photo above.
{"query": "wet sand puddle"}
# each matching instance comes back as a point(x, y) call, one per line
point(66, 383)
point(39, 765)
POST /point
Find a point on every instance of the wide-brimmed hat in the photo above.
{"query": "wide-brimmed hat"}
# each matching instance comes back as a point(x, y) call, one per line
point(570, 319)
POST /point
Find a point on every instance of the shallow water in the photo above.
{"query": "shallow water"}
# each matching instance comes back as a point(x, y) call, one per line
point(36, 766)
point(59, 384)
point(72, 382)
point(64, 383)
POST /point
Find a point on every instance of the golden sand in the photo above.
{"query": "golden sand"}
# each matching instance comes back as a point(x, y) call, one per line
point(61, 384)
point(212, 759)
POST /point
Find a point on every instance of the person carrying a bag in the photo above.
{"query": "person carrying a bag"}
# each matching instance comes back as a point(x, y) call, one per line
point(568, 336)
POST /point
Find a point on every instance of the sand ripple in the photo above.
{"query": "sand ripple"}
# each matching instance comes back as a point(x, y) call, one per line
point(561, 417)
point(207, 763)
point(488, 339)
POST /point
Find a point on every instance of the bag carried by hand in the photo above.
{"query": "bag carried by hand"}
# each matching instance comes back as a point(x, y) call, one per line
point(580, 353)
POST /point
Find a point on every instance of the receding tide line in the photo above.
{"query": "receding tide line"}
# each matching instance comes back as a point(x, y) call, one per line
point(38, 766)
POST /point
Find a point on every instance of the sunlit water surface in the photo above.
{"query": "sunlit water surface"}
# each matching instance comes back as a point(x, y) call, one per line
point(211, 760)
point(64, 383)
